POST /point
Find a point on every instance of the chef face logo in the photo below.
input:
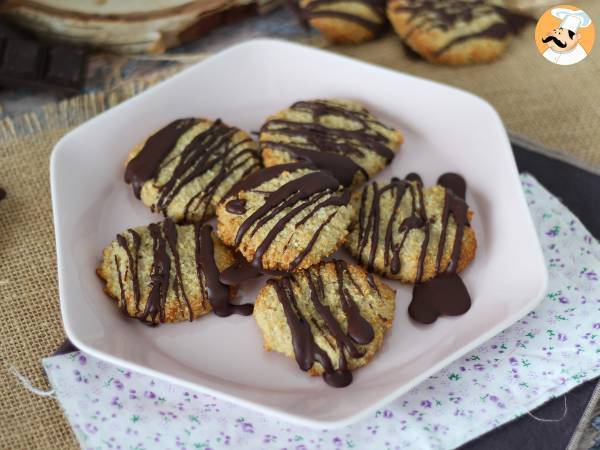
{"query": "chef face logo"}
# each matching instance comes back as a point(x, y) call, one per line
point(565, 35)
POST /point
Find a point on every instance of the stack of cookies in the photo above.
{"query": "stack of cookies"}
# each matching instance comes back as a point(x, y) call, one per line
point(454, 32)
point(284, 205)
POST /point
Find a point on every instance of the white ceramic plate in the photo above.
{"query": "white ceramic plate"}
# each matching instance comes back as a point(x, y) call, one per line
point(446, 130)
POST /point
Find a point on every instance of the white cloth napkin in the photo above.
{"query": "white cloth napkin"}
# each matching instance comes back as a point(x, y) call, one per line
point(545, 354)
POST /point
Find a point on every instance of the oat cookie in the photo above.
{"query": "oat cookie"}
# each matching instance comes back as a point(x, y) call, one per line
point(455, 32)
point(184, 169)
point(168, 273)
point(336, 135)
point(405, 232)
point(331, 317)
point(345, 21)
point(285, 217)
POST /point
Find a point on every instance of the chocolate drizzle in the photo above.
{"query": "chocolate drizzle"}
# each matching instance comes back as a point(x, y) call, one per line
point(307, 352)
point(444, 15)
point(332, 149)
point(315, 190)
point(316, 9)
point(147, 162)
point(369, 222)
point(425, 300)
point(2, 194)
point(216, 291)
point(167, 265)
point(446, 293)
point(210, 150)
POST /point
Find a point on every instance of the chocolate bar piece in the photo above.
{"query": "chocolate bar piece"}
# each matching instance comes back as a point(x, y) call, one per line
point(25, 62)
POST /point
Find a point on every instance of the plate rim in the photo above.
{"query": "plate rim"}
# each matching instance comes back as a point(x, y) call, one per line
point(271, 410)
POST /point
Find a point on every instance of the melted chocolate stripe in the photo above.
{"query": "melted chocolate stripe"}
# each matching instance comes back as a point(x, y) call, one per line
point(257, 178)
point(306, 351)
point(216, 291)
point(123, 301)
point(315, 9)
point(159, 277)
point(170, 233)
point(132, 262)
point(432, 14)
point(445, 293)
point(359, 330)
point(329, 148)
point(305, 186)
point(145, 164)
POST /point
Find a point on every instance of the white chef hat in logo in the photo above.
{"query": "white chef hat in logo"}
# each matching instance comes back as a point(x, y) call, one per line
point(572, 20)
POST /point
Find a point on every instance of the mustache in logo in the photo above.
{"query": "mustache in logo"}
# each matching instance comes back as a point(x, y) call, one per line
point(556, 41)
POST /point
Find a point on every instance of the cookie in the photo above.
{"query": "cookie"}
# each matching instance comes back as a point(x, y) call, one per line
point(285, 217)
point(405, 232)
point(331, 317)
point(168, 273)
point(184, 169)
point(454, 32)
point(345, 21)
point(336, 135)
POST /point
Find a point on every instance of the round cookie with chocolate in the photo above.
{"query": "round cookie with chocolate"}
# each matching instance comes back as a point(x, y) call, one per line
point(412, 234)
point(184, 169)
point(454, 32)
point(168, 273)
point(340, 136)
point(345, 21)
point(331, 318)
point(285, 217)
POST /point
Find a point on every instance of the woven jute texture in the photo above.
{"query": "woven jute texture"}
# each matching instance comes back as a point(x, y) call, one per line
point(31, 327)
point(557, 106)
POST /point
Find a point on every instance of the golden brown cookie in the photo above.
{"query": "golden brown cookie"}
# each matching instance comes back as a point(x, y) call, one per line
point(184, 169)
point(336, 135)
point(285, 217)
point(331, 317)
point(454, 32)
point(168, 273)
point(345, 21)
point(405, 232)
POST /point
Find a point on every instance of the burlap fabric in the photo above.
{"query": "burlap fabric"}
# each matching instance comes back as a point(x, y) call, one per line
point(30, 325)
point(557, 106)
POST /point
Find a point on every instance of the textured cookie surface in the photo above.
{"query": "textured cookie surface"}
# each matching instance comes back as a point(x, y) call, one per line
point(453, 31)
point(345, 21)
point(336, 135)
point(411, 234)
point(331, 318)
point(185, 168)
point(285, 217)
point(168, 273)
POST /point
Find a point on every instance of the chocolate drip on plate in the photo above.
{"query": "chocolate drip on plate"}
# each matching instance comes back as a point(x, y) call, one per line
point(216, 291)
point(306, 350)
point(446, 293)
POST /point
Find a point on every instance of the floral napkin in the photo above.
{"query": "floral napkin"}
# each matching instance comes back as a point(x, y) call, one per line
point(543, 355)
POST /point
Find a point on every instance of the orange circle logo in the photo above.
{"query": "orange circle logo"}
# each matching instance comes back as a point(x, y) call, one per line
point(565, 35)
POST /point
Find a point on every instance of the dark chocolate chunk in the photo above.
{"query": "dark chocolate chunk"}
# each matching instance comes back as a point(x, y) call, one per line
point(25, 62)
